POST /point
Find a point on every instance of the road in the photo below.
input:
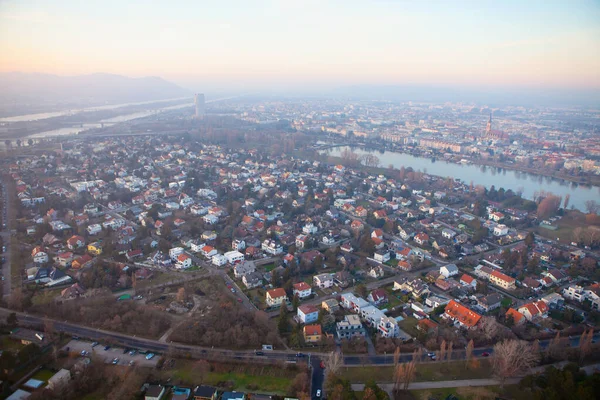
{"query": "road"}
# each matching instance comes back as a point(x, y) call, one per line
point(317, 377)
point(5, 234)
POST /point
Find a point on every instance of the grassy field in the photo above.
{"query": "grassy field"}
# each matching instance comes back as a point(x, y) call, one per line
point(44, 297)
point(425, 372)
point(236, 377)
point(269, 267)
point(409, 325)
point(6, 343)
point(565, 225)
point(464, 393)
point(156, 280)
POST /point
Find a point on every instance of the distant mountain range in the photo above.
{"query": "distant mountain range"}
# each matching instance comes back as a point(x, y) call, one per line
point(43, 89)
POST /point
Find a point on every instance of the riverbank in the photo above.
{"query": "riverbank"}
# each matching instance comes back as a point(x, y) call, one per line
point(591, 180)
point(526, 182)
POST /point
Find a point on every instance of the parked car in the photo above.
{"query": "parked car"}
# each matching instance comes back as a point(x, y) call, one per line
point(318, 394)
point(115, 361)
point(94, 344)
point(149, 356)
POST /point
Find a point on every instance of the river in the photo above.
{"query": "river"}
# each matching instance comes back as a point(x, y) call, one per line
point(486, 176)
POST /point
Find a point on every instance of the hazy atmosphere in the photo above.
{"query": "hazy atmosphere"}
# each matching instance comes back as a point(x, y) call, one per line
point(310, 45)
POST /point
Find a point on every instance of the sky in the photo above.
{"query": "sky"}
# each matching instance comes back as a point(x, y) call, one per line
point(308, 43)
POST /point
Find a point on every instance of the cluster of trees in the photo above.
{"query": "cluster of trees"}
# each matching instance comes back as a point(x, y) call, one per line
point(107, 313)
point(229, 326)
point(568, 383)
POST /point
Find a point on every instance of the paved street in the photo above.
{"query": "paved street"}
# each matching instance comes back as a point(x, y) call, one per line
point(5, 234)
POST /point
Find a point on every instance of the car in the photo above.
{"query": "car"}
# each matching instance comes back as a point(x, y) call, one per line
point(94, 344)
point(75, 338)
point(232, 290)
point(430, 354)
point(433, 358)
point(107, 347)
point(322, 365)
point(259, 353)
point(149, 356)
point(239, 300)
point(131, 363)
point(115, 361)
point(318, 394)
point(132, 352)
point(84, 353)
point(300, 355)
point(485, 354)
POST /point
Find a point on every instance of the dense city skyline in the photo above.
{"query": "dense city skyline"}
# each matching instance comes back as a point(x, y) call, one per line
point(287, 45)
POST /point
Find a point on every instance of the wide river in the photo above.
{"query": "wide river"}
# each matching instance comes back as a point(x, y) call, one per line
point(487, 176)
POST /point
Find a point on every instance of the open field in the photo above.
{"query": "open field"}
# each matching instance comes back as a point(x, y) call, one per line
point(431, 371)
point(470, 393)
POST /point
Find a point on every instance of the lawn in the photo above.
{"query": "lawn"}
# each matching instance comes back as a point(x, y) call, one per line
point(44, 297)
point(6, 343)
point(43, 375)
point(156, 280)
point(430, 371)
point(240, 377)
point(409, 325)
point(269, 267)
point(464, 393)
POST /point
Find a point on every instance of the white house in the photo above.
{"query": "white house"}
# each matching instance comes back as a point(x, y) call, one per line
point(500, 230)
point(238, 244)
point(210, 219)
point(252, 280)
point(449, 270)
point(271, 247)
point(39, 255)
point(351, 302)
point(219, 260)
point(234, 257)
point(184, 261)
point(448, 233)
point(175, 252)
point(208, 251)
point(302, 290)
point(323, 281)
point(382, 256)
point(276, 297)
point(388, 327)
point(308, 314)
point(309, 229)
point(94, 229)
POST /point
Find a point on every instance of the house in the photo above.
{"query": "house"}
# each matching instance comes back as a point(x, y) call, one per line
point(271, 247)
point(448, 233)
point(377, 234)
point(210, 219)
point(133, 254)
point(382, 256)
point(377, 297)
point(309, 229)
point(276, 297)
point(516, 316)
point(94, 229)
point(496, 216)
point(330, 305)
point(175, 252)
point(39, 255)
point(416, 287)
point(302, 290)
point(531, 283)
point(461, 315)
point(243, 268)
point(483, 272)
point(353, 303)
point(357, 225)
point(234, 257)
point(233, 396)
point(82, 262)
point(350, 327)
point(575, 293)
point(347, 247)
point(64, 259)
point(502, 280)
point(388, 327)
point(556, 275)
point(184, 261)
point(204, 392)
point(301, 241)
point(308, 313)
point(219, 260)
point(208, 251)
point(95, 248)
point(252, 280)
point(343, 279)
point(238, 244)
point(155, 392)
point(500, 230)
point(534, 310)
point(443, 284)
point(371, 315)
point(449, 270)
point(323, 281)
point(422, 238)
point(435, 301)
point(467, 280)
point(58, 380)
point(490, 302)
point(376, 272)
point(312, 333)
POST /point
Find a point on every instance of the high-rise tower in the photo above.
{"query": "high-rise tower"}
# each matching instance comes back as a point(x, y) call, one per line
point(200, 107)
point(488, 128)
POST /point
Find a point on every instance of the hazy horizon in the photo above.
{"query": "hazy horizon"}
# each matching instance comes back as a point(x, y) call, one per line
point(281, 45)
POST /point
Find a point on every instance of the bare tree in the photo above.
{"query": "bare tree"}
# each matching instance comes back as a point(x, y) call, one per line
point(469, 353)
point(577, 234)
point(555, 347)
point(513, 358)
point(585, 344)
point(181, 295)
point(450, 346)
point(334, 362)
point(443, 350)
point(489, 327)
point(566, 201)
point(591, 206)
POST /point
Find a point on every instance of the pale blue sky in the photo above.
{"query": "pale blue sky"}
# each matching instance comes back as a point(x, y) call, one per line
point(256, 43)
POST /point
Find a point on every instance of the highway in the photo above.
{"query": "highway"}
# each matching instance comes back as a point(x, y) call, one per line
point(5, 234)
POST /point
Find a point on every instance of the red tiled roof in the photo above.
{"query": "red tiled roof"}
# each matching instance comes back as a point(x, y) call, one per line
point(463, 314)
point(276, 293)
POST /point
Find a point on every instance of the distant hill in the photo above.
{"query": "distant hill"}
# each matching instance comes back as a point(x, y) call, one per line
point(35, 90)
